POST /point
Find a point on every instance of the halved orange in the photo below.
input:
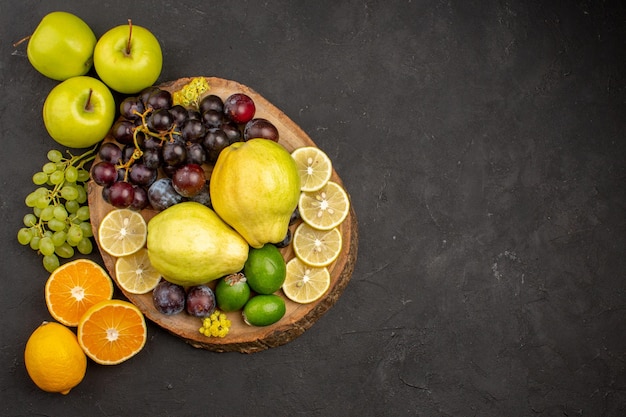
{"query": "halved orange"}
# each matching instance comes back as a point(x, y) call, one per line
point(112, 331)
point(74, 287)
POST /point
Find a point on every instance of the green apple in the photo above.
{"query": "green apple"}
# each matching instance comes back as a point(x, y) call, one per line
point(128, 58)
point(61, 46)
point(79, 112)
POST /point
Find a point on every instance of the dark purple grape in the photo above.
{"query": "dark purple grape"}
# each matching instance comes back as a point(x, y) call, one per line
point(286, 241)
point(179, 114)
point(232, 132)
point(128, 152)
point(131, 108)
point(122, 131)
point(173, 153)
point(140, 199)
point(260, 128)
point(193, 131)
point(146, 93)
point(110, 152)
point(162, 194)
point(211, 102)
point(106, 191)
point(121, 174)
point(121, 194)
point(214, 142)
point(212, 118)
point(152, 143)
point(152, 158)
point(195, 154)
point(200, 301)
point(188, 180)
point(193, 114)
point(159, 99)
point(204, 196)
point(142, 175)
point(168, 298)
point(169, 170)
point(239, 108)
point(104, 173)
point(160, 120)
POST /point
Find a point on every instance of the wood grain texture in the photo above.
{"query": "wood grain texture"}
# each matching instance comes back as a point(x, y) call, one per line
point(298, 317)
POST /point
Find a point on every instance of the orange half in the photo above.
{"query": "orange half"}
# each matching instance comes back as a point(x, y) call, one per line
point(74, 287)
point(112, 331)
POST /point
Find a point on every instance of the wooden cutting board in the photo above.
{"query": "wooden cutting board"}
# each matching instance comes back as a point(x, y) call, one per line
point(298, 317)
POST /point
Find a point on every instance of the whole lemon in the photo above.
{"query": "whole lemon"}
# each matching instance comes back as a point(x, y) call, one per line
point(54, 360)
point(190, 245)
point(255, 188)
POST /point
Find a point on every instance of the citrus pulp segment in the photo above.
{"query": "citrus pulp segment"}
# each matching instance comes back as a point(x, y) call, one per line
point(112, 331)
point(314, 167)
point(74, 287)
point(304, 283)
point(122, 232)
point(325, 208)
point(135, 273)
point(316, 247)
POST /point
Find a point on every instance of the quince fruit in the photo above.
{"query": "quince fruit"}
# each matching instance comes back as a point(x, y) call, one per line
point(190, 245)
point(255, 188)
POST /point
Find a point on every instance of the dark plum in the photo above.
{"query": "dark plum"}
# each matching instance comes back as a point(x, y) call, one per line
point(168, 298)
point(200, 301)
point(286, 241)
point(260, 128)
point(239, 108)
point(188, 180)
point(162, 194)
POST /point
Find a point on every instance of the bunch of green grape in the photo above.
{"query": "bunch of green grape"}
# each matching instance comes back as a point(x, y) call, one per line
point(58, 225)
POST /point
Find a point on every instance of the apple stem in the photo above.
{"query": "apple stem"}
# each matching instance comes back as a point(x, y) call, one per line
point(88, 105)
point(130, 34)
point(21, 41)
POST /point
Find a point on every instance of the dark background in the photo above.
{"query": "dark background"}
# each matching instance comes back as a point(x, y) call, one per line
point(482, 143)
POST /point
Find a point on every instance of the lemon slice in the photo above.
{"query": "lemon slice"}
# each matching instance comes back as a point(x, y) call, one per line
point(135, 273)
point(314, 167)
point(316, 247)
point(325, 208)
point(122, 232)
point(304, 283)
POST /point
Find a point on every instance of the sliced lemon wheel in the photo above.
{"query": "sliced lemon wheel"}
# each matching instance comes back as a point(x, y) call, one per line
point(316, 247)
point(135, 273)
point(314, 167)
point(122, 232)
point(325, 208)
point(305, 284)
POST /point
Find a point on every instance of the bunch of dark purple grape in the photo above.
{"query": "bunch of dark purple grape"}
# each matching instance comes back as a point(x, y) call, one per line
point(162, 147)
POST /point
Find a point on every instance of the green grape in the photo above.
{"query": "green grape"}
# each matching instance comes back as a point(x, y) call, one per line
point(72, 206)
point(56, 225)
point(46, 246)
point(86, 228)
point(24, 235)
point(85, 246)
point(83, 175)
point(42, 202)
point(69, 193)
point(57, 177)
point(54, 155)
point(82, 194)
point(51, 262)
point(49, 167)
point(31, 199)
point(71, 174)
point(58, 238)
point(83, 213)
point(60, 213)
point(74, 235)
point(48, 233)
point(37, 211)
point(30, 220)
point(47, 213)
point(40, 178)
point(34, 243)
point(64, 250)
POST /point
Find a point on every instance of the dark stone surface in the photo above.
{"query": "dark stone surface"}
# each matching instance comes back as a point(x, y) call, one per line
point(483, 146)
